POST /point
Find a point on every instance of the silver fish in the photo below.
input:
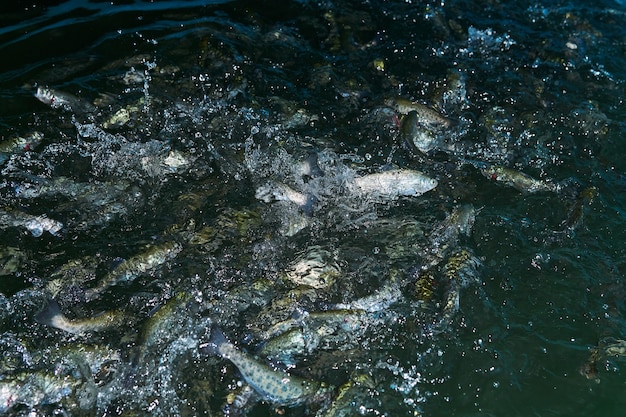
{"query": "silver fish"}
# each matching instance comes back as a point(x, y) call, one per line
point(517, 179)
point(136, 266)
point(275, 386)
point(316, 268)
point(52, 316)
point(282, 192)
point(425, 116)
point(33, 389)
point(36, 225)
point(378, 301)
point(19, 144)
point(415, 135)
point(395, 183)
point(61, 100)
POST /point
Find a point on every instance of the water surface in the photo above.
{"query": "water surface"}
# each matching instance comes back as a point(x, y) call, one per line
point(223, 98)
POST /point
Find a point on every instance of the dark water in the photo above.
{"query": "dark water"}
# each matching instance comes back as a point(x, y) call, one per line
point(215, 100)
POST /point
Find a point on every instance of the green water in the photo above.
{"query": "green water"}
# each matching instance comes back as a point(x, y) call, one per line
point(242, 91)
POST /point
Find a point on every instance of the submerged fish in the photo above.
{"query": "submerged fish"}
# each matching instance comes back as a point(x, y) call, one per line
point(460, 271)
point(395, 183)
point(274, 386)
point(352, 395)
point(165, 324)
point(51, 315)
point(607, 348)
point(447, 234)
point(380, 300)
point(135, 266)
point(35, 389)
point(575, 216)
point(36, 224)
point(317, 268)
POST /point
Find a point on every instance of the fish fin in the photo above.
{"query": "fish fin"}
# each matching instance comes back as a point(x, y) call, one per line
point(50, 314)
point(212, 346)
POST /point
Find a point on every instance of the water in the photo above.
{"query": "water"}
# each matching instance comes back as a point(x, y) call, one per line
point(167, 120)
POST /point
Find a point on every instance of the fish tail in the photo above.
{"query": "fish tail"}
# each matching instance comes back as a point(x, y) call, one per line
point(313, 166)
point(216, 340)
point(307, 208)
point(50, 314)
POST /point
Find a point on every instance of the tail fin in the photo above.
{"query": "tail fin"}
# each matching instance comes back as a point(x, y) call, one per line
point(212, 346)
point(308, 206)
point(50, 314)
point(311, 168)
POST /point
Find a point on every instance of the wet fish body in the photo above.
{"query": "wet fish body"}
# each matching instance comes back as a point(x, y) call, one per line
point(129, 270)
point(282, 192)
point(608, 348)
point(517, 179)
point(34, 389)
point(52, 316)
point(378, 301)
point(310, 167)
point(36, 224)
point(347, 320)
point(575, 216)
point(317, 268)
point(446, 235)
point(61, 100)
point(418, 138)
point(460, 271)
point(19, 144)
point(424, 115)
point(277, 387)
point(395, 183)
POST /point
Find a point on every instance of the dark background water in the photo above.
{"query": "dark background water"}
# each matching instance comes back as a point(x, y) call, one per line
point(555, 70)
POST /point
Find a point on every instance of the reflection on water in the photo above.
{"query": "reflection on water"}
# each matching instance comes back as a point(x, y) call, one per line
point(387, 208)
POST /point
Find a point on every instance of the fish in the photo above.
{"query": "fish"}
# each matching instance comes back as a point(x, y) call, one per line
point(517, 179)
point(288, 345)
point(275, 386)
point(395, 183)
point(19, 144)
point(425, 286)
point(34, 389)
point(124, 115)
point(166, 323)
point(607, 348)
point(61, 100)
point(425, 116)
point(319, 322)
point(137, 265)
point(317, 268)
point(355, 393)
point(460, 271)
point(35, 224)
point(282, 192)
point(418, 138)
point(51, 315)
point(575, 216)
point(380, 300)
